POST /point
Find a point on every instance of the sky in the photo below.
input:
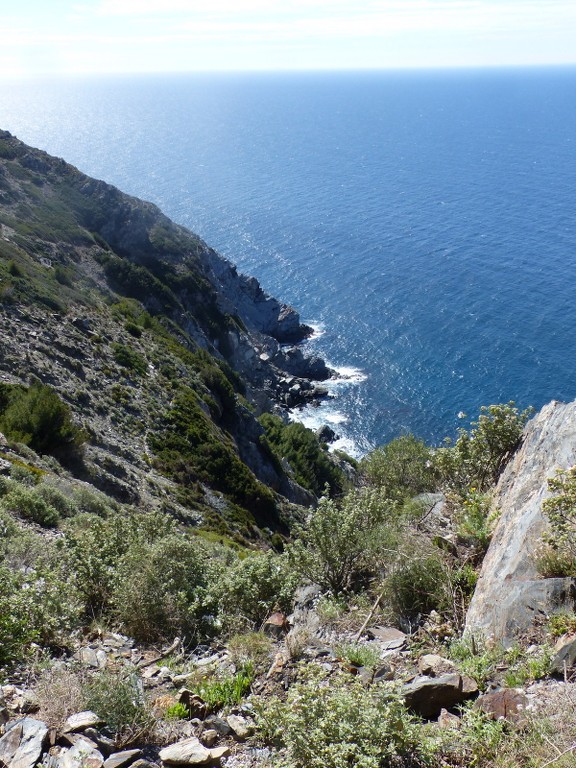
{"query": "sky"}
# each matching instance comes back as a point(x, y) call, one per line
point(45, 37)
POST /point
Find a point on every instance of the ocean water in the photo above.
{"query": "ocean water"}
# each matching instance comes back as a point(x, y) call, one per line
point(424, 223)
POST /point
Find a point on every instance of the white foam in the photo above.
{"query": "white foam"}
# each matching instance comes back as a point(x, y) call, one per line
point(318, 329)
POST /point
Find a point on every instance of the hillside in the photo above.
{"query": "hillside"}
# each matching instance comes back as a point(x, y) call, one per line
point(163, 352)
point(188, 579)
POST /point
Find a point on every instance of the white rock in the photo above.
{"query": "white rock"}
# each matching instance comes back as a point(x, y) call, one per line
point(187, 752)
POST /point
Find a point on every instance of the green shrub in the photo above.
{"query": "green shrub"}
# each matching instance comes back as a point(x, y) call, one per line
point(129, 359)
point(309, 461)
point(252, 587)
point(161, 590)
point(419, 585)
point(402, 468)
point(342, 545)
point(558, 555)
point(341, 724)
point(29, 504)
point(562, 624)
point(478, 456)
point(118, 698)
point(38, 418)
point(16, 630)
point(93, 547)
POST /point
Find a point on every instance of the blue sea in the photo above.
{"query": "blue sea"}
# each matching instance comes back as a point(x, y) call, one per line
point(423, 222)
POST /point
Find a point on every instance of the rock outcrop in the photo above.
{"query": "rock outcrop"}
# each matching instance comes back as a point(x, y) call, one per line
point(510, 595)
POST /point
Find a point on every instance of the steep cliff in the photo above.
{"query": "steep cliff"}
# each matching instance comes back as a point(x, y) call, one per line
point(163, 351)
point(510, 595)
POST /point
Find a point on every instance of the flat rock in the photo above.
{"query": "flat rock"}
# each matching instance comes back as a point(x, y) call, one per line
point(389, 638)
point(427, 696)
point(506, 704)
point(21, 745)
point(187, 752)
point(433, 665)
point(82, 720)
point(121, 759)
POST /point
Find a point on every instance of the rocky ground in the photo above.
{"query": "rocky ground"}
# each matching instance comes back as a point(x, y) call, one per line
point(44, 723)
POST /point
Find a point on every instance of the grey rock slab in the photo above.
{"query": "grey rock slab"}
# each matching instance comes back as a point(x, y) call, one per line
point(241, 727)
point(188, 752)
point(81, 755)
point(121, 759)
point(565, 656)
point(433, 665)
point(509, 593)
point(82, 720)
point(427, 696)
point(389, 638)
point(22, 743)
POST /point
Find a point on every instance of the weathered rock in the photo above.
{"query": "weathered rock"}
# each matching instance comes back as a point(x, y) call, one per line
point(215, 723)
point(240, 726)
point(565, 656)
point(195, 704)
point(276, 624)
point(448, 720)
point(21, 745)
point(389, 638)
point(432, 665)
point(427, 696)
point(187, 752)
point(506, 704)
point(209, 737)
point(121, 759)
point(81, 755)
point(509, 594)
point(82, 720)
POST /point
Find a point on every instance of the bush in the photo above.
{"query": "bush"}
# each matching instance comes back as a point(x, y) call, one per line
point(29, 504)
point(160, 590)
point(558, 555)
point(343, 544)
point(118, 698)
point(94, 546)
point(38, 418)
point(129, 359)
point(479, 455)
point(402, 468)
point(16, 631)
point(341, 724)
point(418, 586)
point(252, 587)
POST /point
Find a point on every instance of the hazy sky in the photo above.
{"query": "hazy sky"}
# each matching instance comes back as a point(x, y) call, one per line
point(78, 36)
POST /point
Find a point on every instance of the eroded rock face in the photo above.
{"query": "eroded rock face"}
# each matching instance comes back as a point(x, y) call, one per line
point(510, 595)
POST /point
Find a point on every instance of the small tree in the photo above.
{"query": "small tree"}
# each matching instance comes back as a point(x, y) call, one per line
point(479, 455)
point(38, 418)
point(402, 468)
point(342, 544)
point(558, 556)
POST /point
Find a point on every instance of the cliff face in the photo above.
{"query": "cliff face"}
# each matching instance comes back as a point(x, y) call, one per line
point(125, 314)
point(510, 596)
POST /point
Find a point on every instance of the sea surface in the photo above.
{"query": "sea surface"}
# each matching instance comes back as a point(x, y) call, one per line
point(424, 223)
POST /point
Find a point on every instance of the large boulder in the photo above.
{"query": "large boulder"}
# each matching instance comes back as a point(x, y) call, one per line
point(22, 743)
point(510, 594)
